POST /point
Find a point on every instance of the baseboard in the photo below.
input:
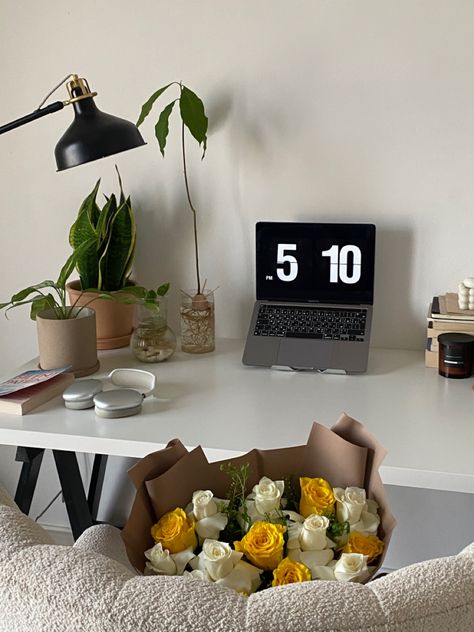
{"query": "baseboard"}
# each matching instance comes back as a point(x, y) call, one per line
point(60, 535)
point(384, 569)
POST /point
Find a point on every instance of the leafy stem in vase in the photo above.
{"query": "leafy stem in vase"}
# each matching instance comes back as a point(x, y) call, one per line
point(193, 117)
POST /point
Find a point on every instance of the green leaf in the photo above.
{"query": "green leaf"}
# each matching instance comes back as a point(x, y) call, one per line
point(87, 263)
point(72, 261)
point(83, 229)
point(163, 289)
point(90, 209)
point(146, 107)
point(40, 304)
point(118, 248)
point(194, 116)
point(162, 127)
point(22, 294)
point(105, 218)
point(152, 306)
point(133, 242)
point(134, 290)
point(122, 196)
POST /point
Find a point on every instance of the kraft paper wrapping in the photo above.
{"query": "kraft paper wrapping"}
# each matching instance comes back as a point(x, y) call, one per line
point(346, 455)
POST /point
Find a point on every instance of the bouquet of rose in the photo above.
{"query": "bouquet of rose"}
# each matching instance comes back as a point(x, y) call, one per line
point(273, 536)
point(314, 511)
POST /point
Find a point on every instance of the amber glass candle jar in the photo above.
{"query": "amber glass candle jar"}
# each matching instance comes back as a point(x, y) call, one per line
point(455, 355)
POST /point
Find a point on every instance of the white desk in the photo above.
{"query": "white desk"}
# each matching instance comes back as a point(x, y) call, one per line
point(425, 421)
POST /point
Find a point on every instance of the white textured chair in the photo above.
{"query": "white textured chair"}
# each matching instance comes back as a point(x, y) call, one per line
point(91, 587)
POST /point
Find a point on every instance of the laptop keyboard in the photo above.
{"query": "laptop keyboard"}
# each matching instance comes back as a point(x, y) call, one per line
point(324, 323)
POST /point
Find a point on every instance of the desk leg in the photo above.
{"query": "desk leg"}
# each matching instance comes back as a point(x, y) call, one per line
point(96, 483)
point(31, 459)
point(73, 492)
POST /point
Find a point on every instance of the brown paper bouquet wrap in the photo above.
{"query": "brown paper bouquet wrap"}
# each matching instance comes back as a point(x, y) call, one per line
point(345, 455)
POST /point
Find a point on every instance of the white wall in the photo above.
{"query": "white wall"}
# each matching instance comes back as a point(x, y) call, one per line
point(357, 110)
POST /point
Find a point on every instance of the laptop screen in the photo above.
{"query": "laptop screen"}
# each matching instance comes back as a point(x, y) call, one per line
point(317, 263)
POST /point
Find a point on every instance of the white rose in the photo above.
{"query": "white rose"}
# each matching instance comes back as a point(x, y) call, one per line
point(293, 530)
point(369, 520)
point(323, 572)
point(197, 574)
point(204, 504)
point(314, 560)
point(211, 526)
point(217, 558)
point(351, 567)
point(162, 562)
point(268, 495)
point(312, 536)
point(350, 503)
point(244, 578)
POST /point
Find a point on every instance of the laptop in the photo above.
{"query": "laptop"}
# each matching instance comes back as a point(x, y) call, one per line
point(315, 291)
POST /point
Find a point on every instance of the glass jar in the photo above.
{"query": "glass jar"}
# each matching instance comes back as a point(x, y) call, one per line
point(197, 322)
point(152, 340)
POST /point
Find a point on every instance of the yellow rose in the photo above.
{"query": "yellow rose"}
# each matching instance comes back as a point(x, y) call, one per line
point(369, 545)
point(316, 497)
point(175, 531)
point(288, 572)
point(263, 545)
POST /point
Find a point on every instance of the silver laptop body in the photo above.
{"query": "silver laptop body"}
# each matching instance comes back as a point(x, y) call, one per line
point(314, 296)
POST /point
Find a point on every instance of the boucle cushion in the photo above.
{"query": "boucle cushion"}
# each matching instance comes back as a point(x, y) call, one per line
point(56, 588)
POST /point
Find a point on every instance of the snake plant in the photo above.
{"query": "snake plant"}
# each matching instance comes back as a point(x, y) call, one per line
point(106, 264)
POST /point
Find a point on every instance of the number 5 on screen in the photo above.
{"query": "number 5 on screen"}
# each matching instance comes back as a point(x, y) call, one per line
point(282, 257)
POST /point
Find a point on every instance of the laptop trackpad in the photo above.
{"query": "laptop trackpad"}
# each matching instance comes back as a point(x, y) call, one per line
point(305, 353)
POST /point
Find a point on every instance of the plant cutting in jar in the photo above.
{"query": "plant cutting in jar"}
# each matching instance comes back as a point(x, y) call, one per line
point(197, 314)
point(152, 340)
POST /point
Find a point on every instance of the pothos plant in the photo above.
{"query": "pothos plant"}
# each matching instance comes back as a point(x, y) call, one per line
point(193, 117)
point(51, 294)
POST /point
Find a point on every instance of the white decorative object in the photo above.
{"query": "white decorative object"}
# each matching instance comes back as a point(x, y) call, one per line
point(466, 294)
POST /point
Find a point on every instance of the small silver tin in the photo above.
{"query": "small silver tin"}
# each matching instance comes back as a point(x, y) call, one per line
point(122, 402)
point(80, 394)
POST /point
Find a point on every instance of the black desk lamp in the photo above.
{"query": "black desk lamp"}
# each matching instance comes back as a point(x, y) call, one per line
point(92, 135)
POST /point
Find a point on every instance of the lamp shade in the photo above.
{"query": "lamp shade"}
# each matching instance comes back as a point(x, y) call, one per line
point(94, 134)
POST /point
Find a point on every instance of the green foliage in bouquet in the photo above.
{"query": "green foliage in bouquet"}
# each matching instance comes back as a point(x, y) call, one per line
point(236, 508)
point(110, 231)
point(337, 529)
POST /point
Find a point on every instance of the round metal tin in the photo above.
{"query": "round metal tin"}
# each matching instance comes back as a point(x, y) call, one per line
point(121, 402)
point(80, 394)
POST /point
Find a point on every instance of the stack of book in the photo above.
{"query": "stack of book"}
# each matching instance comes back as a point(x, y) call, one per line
point(445, 316)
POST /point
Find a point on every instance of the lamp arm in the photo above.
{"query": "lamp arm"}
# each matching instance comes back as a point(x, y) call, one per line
point(49, 109)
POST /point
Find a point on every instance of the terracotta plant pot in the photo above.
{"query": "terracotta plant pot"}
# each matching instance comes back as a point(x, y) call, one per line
point(114, 321)
point(68, 342)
